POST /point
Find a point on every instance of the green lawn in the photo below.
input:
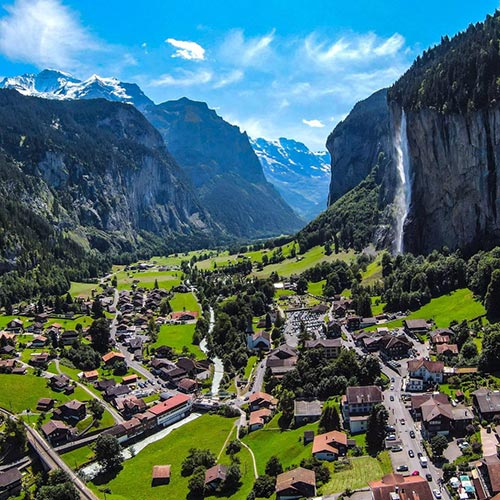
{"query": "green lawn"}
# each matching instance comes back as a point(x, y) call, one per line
point(134, 481)
point(359, 474)
point(146, 279)
point(286, 445)
point(316, 288)
point(78, 457)
point(302, 262)
point(84, 289)
point(185, 302)
point(250, 364)
point(458, 305)
point(5, 320)
point(373, 272)
point(178, 336)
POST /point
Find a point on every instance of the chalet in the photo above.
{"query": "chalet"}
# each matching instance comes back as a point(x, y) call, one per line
point(7, 365)
point(161, 475)
point(10, 483)
point(45, 404)
point(296, 483)
point(305, 412)
point(340, 307)
point(259, 341)
point(353, 323)
point(112, 357)
point(399, 487)
point(57, 432)
point(105, 384)
point(395, 346)
point(187, 385)
point(260, 400)
point(15, 325)
point(329, 446)
point(357, 405)
point(258, 418)
point(130, 379)
point(447, 350)
point(61, 383)
point(116, 391)
point(157, 363)
point(425, 371)
point(130, 405)
point(489, 470)
point(215, 476)
point(184, 316)
point(163, 351)
point(173, 374)
point(367, 322)
point(39, 341)
point(135, 344)
point(172, 410)
point(41, 318)
point(40, 360)
point(127, 430)
point(281, 360)
point(73, 410)
point(90, 376)
point(68, 337)
point(416, 327)
point(486, 403)
point(331, 347)
point(319, 309)
point(332, 329)
point(186, 364)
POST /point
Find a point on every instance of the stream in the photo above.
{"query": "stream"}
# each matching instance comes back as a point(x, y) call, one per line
point(218, 366)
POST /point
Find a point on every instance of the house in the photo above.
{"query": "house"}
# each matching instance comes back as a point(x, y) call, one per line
point(260, 400)
point(429, 372)
point(489, 470)
point(415, 327)
point(115, 391)
point(331, 347)
point(367, 322)
point(10, 483)
point(357, 405)
point(259, 341)
point(57, 432)
point(332, 329)
point(68, 337)
point(486, 403)
point(161, 475)
point(184, 316)
point(447, 350)
point(39, 341)
point(172, 410)
point(39, 360)
point(127, 430)
point(130, 379)
point(296, 483)
point(45, 404)
point(90, 376)
point(15, 325)
point(353, 323)
point(61, 383)
point(305, 412)
point(440, 335)
point(112, 357)
point(399, 487)
point(41, 318)
point(329, 446)
point(395, 346)
point(281, 360)
point(215, 476)
point(7, 365)
point(308, 437)
point(72, 410)
point(187, 385)
point(130, 405)
point(104, 384)
point(258, 418)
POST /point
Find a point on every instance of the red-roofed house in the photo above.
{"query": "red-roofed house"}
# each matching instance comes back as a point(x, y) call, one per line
point(397, 486)
point(296, 483)
point(172, 410)
point(258, 418)
point(260, 400)
point(330, 446)
point(112, 357)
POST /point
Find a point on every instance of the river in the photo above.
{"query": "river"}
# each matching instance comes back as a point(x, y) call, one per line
point(218, 365)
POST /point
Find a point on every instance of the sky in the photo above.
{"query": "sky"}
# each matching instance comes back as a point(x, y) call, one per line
point(275, 68)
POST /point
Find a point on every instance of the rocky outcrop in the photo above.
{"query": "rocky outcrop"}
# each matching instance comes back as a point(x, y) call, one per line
point(455, 166)
point(221, 164)
point(356, 143)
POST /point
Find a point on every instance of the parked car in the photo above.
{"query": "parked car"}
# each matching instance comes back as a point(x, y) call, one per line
point(412, 434)
point(397, 448)
point(390, 428)
point(419, 454)
point(391, 437)
point(403, 421)
point(415, 473)
point(428, 477)
point(411, 454)
point(436, 493)
point(391, 398)
point(402, 468)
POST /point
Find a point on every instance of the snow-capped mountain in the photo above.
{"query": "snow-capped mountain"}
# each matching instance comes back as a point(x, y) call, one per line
point(52, 84)
point(300, 175)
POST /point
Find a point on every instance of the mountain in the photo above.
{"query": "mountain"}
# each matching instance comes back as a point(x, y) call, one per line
point(301, 176)
point(215, 155)
point(52, 84)
point(225, 171)
point(446, 110)
point(85, 176)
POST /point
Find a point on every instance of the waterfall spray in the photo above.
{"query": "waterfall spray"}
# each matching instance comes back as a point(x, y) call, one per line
point(403, 194)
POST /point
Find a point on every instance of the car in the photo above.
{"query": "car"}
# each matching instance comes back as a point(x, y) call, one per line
point(436, 493)
point(390, 428)
point(392, 379)
point(402, 468)
point(392, 387)
point(396, 448)
point(412, 434)
point(391, 437)
point(415, 473)
point(411, 454)
point(391, 398)
point(403, 421)
point(420, 454)
point(428, 477)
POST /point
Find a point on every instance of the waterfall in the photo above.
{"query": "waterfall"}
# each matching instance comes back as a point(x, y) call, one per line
point(403, 193)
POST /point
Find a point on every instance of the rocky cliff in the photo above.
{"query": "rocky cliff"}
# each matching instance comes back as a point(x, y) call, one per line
point(226, 173)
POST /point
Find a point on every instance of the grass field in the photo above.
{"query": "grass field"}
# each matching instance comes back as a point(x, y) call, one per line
point(458, 305)
point(146, 279)
point(316, 288)
point(373, 272)
point(362, 470)
point(134, 481)
point(178, 336)
point(84, 289)
point(78, 457)
point(185, 302)
point(302, 262)
point(250, 364)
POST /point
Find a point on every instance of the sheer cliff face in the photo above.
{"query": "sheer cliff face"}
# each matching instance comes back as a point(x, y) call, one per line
point(356, 142)
point(105, 167)
point(455, 163)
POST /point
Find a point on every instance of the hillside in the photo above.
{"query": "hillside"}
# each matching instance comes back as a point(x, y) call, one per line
point(79, 176)
point(223, 168)
point(301, 176)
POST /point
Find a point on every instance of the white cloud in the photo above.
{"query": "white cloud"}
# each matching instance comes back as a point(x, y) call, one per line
point(241, 51)
point(185, 79)
point(313, 123)
point(44, 33)
point(191, 51)
point(229, 78)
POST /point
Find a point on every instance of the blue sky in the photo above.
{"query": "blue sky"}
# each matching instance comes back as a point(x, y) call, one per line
point(276, 68)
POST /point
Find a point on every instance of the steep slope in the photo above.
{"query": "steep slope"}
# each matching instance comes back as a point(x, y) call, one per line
point(52, 84)
point(450, 98)
point(88, 175)
point(301, 176)
point(224, 169)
